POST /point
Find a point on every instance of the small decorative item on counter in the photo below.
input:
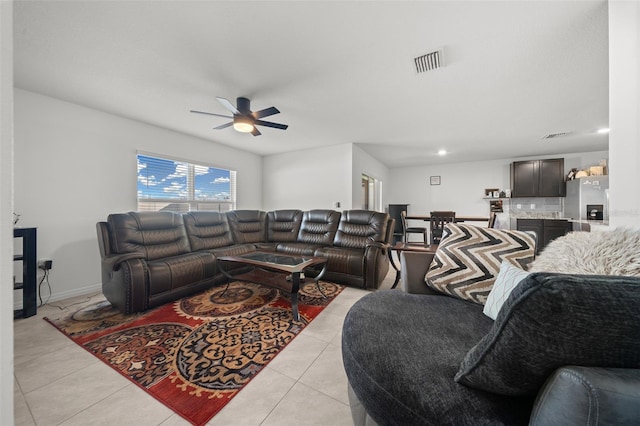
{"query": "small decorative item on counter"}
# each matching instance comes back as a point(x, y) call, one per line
point(572, 174)
point(507, 193)
point(503, 194)
point(596, 171)
point(582, 173)
point(491, 192)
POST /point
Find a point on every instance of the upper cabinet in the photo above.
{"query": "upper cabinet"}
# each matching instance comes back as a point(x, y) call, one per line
point(538, 178)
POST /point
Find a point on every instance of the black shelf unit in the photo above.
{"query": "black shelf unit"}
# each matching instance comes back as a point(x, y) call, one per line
point(29, 259)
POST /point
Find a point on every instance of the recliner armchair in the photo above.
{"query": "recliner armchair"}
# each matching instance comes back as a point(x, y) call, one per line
point(359, 254)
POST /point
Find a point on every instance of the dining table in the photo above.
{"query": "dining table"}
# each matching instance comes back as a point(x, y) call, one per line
point(457, 218)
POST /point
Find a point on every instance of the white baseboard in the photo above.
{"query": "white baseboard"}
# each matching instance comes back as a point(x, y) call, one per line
point(55, 297)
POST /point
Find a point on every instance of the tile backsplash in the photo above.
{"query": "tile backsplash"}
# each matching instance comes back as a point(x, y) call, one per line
point(547, 207)
point(543, 208)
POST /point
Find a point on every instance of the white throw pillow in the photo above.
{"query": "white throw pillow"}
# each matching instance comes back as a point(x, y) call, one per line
point(508, 278)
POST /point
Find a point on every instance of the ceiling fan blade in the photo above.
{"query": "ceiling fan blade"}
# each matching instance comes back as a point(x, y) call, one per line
point(265, 112)
point(255, 131)
point(228, 105)
point(211, 113)
point(224, 126)
point(270, 124)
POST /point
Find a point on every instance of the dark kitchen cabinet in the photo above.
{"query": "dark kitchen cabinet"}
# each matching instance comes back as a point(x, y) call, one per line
point(546, 230)
point(538, 178)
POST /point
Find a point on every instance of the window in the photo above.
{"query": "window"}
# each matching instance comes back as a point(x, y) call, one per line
point(180, 186)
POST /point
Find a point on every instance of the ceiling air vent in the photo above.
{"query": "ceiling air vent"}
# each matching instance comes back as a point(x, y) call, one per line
point(556, 135)
point(428, 62)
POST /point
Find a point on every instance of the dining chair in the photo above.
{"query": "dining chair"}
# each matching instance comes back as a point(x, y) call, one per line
point(412, 229)
point(438, 220)
point(492, 220)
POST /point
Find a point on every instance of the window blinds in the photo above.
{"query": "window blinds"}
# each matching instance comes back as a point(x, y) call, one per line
point(178, 185)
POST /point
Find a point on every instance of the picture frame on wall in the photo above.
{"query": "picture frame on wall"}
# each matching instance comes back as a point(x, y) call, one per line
point(434, 180)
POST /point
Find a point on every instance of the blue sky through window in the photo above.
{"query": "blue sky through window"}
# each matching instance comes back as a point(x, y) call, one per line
point(169, 179)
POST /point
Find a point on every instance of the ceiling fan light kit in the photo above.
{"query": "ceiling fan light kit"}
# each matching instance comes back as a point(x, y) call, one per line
point(242, 124)
point(244, 120)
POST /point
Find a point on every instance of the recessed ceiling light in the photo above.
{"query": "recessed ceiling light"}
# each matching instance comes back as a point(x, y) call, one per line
point(604, 130)
point(442, 152)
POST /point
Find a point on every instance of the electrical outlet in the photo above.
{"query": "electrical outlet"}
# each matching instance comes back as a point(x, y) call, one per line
point(45, 264)
point(533, 206)
point(518, 206)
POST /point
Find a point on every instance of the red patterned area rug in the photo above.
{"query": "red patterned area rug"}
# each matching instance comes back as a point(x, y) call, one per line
point(195, 354)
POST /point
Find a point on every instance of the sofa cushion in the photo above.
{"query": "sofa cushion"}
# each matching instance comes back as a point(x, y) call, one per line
point(401, 352)
point(551, 320)
point(319, 227)
point(171, 273)
point(283, 225)
point(508, 278)
point(248, 226)
point(155, 235)
point(297, 249)
point(342, 260)
point(359, 227)
point(207, 230)
point(468, 259)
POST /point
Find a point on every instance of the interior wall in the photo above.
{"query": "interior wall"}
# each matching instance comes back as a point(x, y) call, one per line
point(310, 179)
point(75, 165)
point(363, 163)
point(6, 213)
point(624, 110)
point(462, 185)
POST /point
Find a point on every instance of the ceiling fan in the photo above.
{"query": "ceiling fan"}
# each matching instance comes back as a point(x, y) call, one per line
point(245, 120)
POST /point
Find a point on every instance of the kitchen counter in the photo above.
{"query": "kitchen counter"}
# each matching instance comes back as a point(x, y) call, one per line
point(589, 225)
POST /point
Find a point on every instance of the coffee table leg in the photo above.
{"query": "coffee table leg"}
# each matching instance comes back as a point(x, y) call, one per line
point(295, 286)
point(317, 280)
point(228, 276)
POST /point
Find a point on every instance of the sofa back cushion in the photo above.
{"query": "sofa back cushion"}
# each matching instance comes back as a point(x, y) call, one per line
point(359, 227)
point(247, 226)
point(207, 230)
point(283, 225)
point(553, 320)
point(468, 259)
point(155, 235)
point(319, 227)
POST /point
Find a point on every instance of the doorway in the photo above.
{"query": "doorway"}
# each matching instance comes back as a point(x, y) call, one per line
point(371, 193)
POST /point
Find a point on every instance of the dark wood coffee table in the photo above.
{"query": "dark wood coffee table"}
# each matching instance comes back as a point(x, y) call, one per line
point(277, 270)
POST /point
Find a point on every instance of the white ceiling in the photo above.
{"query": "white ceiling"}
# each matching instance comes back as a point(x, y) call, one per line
point(340, 72)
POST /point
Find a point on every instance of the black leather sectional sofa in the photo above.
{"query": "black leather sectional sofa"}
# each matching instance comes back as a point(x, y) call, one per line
point(151, 258)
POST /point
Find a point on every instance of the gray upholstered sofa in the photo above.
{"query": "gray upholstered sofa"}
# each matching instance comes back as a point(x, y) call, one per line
point(564, 349)
point(151, 258)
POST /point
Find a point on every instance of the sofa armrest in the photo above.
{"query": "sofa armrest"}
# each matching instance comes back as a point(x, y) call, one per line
point(414, 267)
point(377, 245)
point(112, 263)
point(589, 396)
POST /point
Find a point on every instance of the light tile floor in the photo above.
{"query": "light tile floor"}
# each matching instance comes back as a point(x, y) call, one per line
point(59, 383)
